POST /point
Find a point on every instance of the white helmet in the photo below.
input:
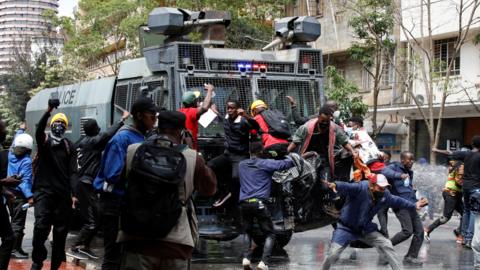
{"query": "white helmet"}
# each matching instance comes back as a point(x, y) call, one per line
point(23, 140)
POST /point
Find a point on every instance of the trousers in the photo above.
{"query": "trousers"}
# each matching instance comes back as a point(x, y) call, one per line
point(411, 225)
point(51, 211)
point(110, 208)
point(476, 242)
point(6, 235)
point(259, 213)
point(376, 239)
point(18, 218)
point(89, 212)
point(136, 261)
point(452, 203)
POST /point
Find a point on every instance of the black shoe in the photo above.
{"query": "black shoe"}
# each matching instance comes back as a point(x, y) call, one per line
point(17, 255)
point(21, 251)
point(410, 261)
point(468, 244)
point(36, 266)
point(89, 253)
point(75, 253)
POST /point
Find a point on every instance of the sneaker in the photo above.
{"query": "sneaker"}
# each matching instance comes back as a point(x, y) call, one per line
point(468, 244)
point(21, 251)
point(410, 261)
point(17, 255)
point(75, 253)
point(247, 265)
point(89, 253)
point(221, 201)
point(459, 239)
point(262, 266)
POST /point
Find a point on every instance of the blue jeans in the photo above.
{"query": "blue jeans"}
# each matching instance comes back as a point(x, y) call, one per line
point(468, 221)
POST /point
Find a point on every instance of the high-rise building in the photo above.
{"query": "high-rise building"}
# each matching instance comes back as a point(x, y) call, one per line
point(22, 22)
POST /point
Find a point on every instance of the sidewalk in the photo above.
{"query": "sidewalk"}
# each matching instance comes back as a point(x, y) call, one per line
point(71, 263)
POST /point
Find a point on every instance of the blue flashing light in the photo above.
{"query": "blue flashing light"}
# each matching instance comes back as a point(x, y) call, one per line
point(241, 65)
point(248, 66)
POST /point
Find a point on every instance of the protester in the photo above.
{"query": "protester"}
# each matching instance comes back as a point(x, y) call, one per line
point(360, 140)
point(274, 129)
point(471, 195)
point(55, 179)
point(193, 110)
point(109, 182)
point(452, 196)
point(364, 199)
point(89, 150)
point(237, 126)
point(20, 165)
point(255, 187)
point(324, 137)
point(6, 234)
point(409, 219)
point(141, 249)
point(300, 120)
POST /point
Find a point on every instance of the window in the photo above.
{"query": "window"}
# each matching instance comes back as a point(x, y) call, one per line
point(386, 80)
point(319, 8)
point(444, 54)
point(365, 81)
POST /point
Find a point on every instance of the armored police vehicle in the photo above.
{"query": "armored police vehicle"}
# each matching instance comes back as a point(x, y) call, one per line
point(177, 65)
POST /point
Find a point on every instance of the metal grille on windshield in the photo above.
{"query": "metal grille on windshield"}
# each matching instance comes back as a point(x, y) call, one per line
point(306, 93)
point(225, 89)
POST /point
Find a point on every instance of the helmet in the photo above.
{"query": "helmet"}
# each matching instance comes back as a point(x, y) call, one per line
point(256, 104)
point(23, 140)
point(59, 117)
point(189, 97)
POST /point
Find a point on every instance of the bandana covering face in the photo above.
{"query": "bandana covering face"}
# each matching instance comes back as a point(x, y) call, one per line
point(57, 130)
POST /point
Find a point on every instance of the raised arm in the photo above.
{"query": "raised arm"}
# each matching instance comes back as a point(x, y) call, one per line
point(207, 102)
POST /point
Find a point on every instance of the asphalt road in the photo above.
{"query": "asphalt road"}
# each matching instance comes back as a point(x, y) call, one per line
point(307, 250)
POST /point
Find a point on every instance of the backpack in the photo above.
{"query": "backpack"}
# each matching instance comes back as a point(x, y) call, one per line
point(277, 123)
point(153, 203)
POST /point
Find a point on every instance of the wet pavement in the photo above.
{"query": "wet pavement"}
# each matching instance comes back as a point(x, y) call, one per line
point(306, 250)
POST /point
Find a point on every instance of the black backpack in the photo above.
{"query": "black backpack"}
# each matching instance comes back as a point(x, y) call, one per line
point(153, 203)
point(277, 123)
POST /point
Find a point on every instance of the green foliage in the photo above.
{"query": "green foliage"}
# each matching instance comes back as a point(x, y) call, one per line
point(252, 18)
point(105, 26)
point(373, 24)
point(345, 93)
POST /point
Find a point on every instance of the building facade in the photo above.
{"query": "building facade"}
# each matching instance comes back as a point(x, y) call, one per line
point(23, 26)
point(405, 128)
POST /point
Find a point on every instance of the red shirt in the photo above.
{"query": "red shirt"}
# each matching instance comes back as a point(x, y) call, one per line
point(191, 123)
point(267, 139)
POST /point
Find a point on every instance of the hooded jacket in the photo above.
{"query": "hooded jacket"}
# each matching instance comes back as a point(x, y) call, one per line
point(21, 166)
point(114, 158)
point(90, 150)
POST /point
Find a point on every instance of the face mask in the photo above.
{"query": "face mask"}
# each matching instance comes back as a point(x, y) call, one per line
point(324, 125)
point(378, 195)
point(58, 129)
point(336, 114)
point(348, 130)
point(19, 151)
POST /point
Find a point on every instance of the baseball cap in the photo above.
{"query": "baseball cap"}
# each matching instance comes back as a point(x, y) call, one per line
point(143, 104)
point(382, 181)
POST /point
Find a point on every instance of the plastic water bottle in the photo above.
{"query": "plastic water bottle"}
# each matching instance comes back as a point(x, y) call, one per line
point(406, 182)
point(25, 206)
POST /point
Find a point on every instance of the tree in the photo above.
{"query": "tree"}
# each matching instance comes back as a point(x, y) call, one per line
point(251, 20)
point(106, 29)
point(435, 75)
point(373, 24)
point(345, 93)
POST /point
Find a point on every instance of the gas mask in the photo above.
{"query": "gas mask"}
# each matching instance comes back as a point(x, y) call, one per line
point(20, 151)
point(58, 129)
